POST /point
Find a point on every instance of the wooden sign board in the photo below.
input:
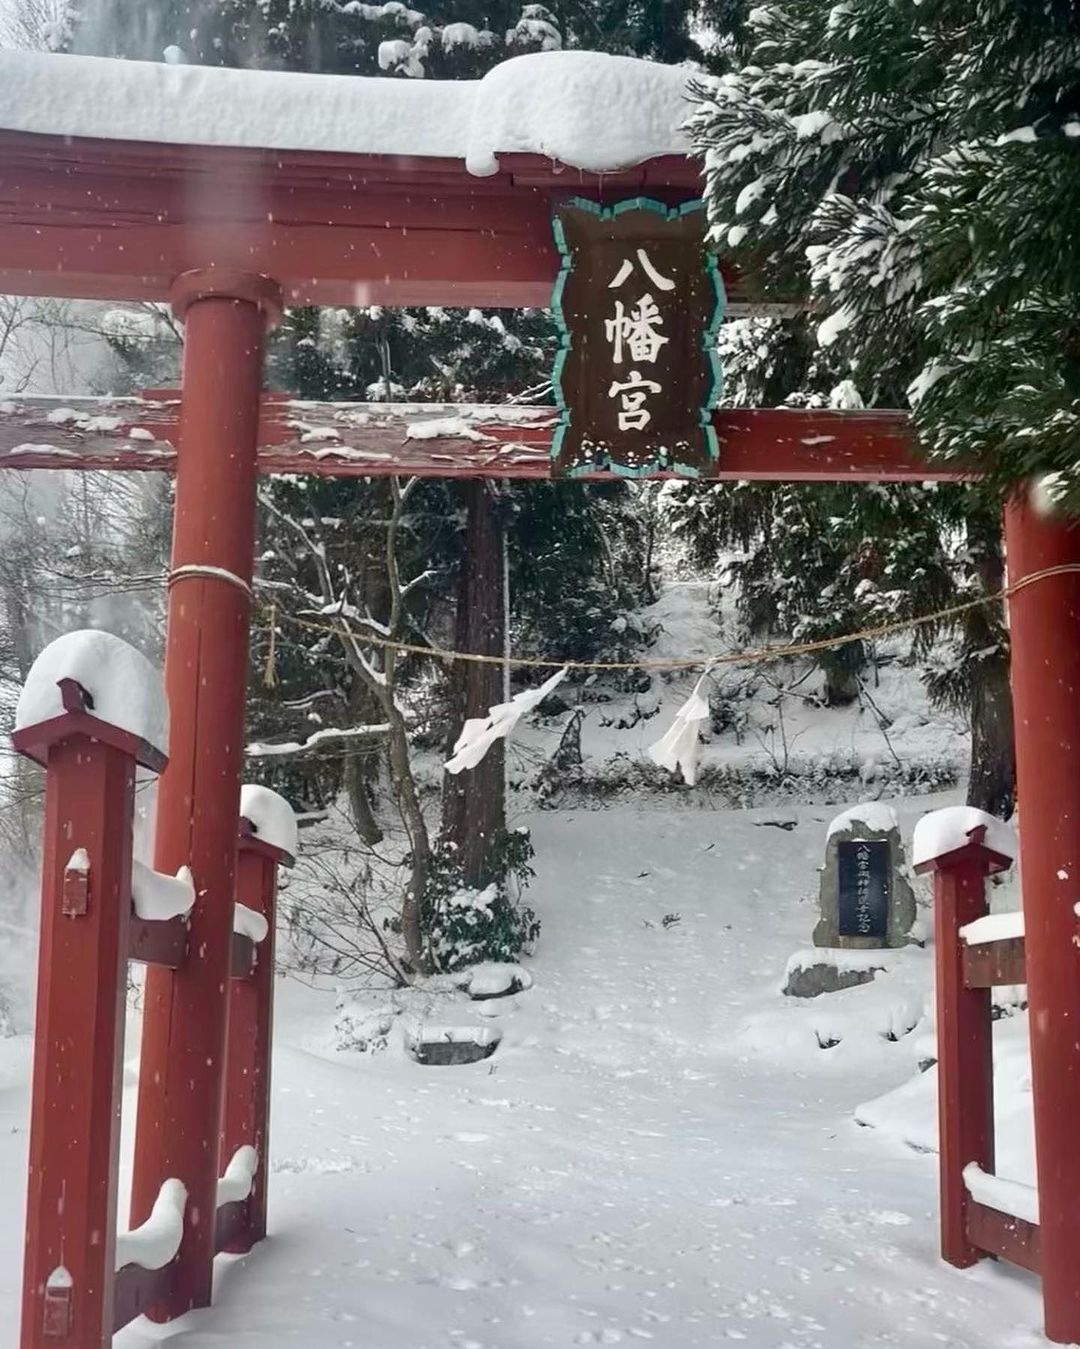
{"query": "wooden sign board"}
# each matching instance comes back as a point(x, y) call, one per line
point(639, 302)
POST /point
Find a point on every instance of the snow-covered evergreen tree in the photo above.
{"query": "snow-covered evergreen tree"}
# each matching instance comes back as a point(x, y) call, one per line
point(905, 167)
point(915, 168)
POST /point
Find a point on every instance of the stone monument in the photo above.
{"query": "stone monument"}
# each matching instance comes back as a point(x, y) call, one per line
point(865, 898)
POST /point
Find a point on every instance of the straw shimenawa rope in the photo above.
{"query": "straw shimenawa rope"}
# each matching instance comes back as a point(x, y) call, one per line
point(747, 656)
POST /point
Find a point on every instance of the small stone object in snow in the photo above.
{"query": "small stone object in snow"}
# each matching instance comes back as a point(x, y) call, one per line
point(680, 747)
point(496, 979)
point(126, 690)
point(865, 897)
point(447, 1046)
point(271, 817)
point(811, 973)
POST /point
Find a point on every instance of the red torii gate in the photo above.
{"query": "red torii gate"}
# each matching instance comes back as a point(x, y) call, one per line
point(229, 236)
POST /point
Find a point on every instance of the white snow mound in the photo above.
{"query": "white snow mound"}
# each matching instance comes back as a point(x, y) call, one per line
point(271, 816)
point(585, 109)
point(943, 831)
point(248, 923)
point(157, 897)
point(128, 692)
point(156, 1242)
point(235, 1185)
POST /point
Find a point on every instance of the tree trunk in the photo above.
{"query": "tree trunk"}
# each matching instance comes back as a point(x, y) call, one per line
point(992, 779)
point(361, 767)
point(841, 667)
point(474, 802)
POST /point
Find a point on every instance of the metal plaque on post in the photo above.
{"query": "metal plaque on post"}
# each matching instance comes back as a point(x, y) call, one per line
point(639, 302)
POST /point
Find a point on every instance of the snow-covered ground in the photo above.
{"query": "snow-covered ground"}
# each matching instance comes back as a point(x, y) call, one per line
point(778, 742)
point(659, 1150)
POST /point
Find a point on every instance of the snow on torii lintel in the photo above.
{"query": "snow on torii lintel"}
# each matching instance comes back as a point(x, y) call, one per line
point(588, 110)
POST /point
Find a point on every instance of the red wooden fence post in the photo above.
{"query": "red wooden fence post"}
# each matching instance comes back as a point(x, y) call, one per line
point(1044, 620)
point(965, 1046)
point(68, 1278)
point(246, 1111)
point(184, 1024)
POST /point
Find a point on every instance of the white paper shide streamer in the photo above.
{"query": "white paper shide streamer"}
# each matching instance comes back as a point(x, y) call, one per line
point(480, 733)
point(681, 747)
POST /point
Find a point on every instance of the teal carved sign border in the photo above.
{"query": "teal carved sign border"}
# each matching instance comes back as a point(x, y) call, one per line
point(702, 429)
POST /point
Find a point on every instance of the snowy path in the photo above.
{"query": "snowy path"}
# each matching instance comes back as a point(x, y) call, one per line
point(645, 1158)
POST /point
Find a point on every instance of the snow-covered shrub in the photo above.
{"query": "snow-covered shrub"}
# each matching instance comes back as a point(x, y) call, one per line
point(363, 1029)
point(464, 926)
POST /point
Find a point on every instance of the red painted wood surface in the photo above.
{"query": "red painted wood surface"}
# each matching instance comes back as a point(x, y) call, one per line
point(965, 1048)
point(118, 220)
point(231, 1227)
point(993, 964)
point(1044, 621)
point(246, 1113)
point(1002, 1235)
point(242, 961)
point(372, 440)
point(78, 1047)
point(180, 1088)
point(137, 1291)
point(154, 942)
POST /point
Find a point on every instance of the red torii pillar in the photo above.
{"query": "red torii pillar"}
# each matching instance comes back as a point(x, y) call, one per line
point(1044, 620)
point(226, 315)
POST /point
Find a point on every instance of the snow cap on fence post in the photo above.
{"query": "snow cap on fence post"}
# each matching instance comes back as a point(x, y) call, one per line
point(102, 680)
point(943, 838)
point(271, 818)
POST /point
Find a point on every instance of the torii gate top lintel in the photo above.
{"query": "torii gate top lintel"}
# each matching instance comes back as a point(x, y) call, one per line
point(118, 176)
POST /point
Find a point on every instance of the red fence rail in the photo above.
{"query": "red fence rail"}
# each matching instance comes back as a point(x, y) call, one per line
point(74, 1297)
point(966, 973)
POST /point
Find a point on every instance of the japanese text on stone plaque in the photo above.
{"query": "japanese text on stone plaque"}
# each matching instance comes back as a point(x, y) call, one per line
point(864, 887)
point(863, 916)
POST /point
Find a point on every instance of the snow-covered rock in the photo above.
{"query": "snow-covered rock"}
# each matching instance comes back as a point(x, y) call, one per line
point(495, 979)
point(877, 816)
point(127, 691)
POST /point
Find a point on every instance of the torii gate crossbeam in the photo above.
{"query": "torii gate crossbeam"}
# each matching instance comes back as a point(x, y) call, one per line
point(229, 234)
